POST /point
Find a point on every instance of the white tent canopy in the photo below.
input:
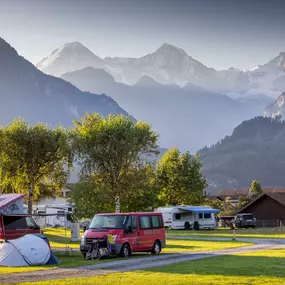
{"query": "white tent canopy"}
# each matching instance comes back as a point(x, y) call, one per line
point(26, 251)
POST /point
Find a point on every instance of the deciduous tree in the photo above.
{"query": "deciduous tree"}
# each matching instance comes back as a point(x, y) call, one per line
point(255, 188)
point(179, 178)
point(89, 200)
point(243, 201)
point(109, 148)
point(34, 159)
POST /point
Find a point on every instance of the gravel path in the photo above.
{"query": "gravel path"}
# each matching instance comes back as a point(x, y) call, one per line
point(126, 265)
point(270, 241)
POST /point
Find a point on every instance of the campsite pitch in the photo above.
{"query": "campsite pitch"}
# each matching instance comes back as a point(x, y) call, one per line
point(75, 259)
point(256, 268)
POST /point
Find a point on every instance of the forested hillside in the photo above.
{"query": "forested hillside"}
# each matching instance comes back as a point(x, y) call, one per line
point(255, 150)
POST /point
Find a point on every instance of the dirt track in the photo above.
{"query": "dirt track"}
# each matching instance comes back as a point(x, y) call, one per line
point(127, 265)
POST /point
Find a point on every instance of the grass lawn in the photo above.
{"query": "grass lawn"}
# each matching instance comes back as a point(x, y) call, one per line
point(181, 246)
point(74, 259)
point(57, 239)
point(258, 268)
point(246, 233)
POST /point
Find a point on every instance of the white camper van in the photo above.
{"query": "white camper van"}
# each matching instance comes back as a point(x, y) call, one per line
point(189, 217)
point(53, 215)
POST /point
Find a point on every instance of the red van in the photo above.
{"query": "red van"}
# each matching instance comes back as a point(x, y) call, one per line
point(16, 226)
point(132, 232)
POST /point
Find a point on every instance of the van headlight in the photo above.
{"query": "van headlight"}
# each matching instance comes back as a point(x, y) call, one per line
point(82, 240)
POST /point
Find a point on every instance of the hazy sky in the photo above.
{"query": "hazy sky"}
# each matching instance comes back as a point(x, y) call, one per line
point(219, 33)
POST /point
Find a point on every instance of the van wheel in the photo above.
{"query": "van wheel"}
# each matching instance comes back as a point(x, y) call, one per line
point(125, 251)
point(156, 249)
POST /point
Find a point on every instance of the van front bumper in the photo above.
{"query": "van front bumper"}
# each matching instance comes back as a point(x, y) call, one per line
point(116, 248)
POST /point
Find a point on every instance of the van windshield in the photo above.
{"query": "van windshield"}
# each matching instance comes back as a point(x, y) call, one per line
point(108, 222)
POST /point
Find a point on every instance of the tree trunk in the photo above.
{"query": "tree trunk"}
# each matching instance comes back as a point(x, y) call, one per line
point(117, 203)
point(30, 198)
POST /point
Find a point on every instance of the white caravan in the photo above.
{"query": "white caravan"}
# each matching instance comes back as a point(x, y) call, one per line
point(189, 217)
point(53, 215)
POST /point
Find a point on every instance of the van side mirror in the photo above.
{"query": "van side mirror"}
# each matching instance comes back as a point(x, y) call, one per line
point(36, 227)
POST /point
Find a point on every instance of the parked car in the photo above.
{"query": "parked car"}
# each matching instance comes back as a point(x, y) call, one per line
point(245, 221)
point(16, 226)
point(132, 232)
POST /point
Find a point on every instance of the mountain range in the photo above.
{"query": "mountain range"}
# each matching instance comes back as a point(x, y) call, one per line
point(172, 65)
point(172, 95)
point(188, 117)
point(27, 92)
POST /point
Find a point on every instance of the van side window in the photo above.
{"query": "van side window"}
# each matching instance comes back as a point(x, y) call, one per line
point(177, 216)
point(134, 223)
point(200, 216)
point(14, 222)
point(145, 222)
point(30, 223)
point(156, 222)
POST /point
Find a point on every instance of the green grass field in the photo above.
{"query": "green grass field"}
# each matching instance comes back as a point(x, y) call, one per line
point(173, 245)
point(245, 233)
point(57, 239)
point(258, 268)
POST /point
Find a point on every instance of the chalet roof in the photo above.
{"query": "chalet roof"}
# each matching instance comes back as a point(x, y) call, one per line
point(234, 192)
point(277, 196)
point(274, 190)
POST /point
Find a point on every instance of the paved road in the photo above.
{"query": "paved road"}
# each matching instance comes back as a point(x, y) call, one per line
point(127, 265)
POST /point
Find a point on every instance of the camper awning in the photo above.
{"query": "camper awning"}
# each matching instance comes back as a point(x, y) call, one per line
point(199, 209)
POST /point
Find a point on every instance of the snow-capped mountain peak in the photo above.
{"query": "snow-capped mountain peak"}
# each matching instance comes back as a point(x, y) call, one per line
point(69, 57)
point(170, 49)
point(276, 64)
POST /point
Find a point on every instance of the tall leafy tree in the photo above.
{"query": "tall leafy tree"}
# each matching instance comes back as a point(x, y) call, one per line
point(109, 148)
point(214, 203)
point(139, 194)
point(229, 208)
point(168, 175)
point(141, 191)
point(255, 187)
point(243, 201)
point(33, 159)
point(179, 178)
point(89, 200)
